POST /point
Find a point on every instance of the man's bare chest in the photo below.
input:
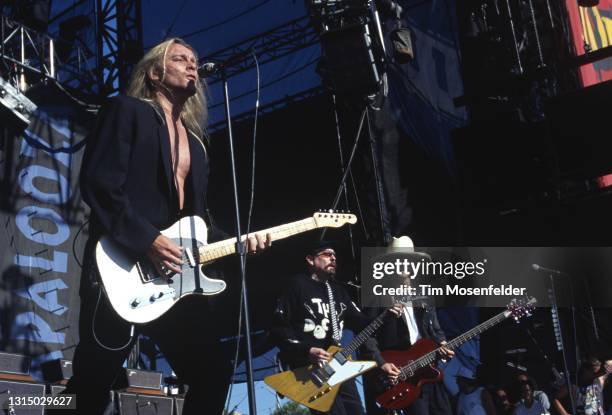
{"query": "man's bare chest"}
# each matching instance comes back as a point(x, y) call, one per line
point(179, 152)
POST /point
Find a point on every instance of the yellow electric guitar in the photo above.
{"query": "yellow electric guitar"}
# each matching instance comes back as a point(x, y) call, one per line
point(316, 387)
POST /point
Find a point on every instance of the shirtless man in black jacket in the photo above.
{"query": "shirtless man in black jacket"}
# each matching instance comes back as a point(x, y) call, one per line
point(145, 166)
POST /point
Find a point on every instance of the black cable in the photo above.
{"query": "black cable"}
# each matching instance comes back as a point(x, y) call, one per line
point(222, 22)
point(248, 228)
point(347, 168)
point(285, 76)
point(176, 16)
point(76, 236)
point(341, 160)
point(380, 191)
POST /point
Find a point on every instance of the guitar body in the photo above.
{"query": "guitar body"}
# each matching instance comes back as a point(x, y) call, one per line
point(299, 386)
point(407, 391)
point(134, 289)
point(139, 295)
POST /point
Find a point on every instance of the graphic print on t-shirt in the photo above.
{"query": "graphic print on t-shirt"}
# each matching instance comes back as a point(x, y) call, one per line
point(319, 325)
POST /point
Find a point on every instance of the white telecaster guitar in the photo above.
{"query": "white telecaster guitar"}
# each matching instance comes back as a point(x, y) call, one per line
point(139, 295)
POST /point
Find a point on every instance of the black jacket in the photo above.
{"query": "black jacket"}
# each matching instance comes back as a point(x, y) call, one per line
point(302, 318)
point(127, 179)
point(393, 335)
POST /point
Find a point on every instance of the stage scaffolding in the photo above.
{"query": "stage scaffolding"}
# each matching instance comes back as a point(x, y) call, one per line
point(28, 57)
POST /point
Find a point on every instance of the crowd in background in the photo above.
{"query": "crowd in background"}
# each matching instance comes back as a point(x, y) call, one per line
point(591, 394)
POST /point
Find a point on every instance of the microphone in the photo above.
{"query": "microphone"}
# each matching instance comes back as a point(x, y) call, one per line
point(211, 68)
point(208, 69)
point(537, 267)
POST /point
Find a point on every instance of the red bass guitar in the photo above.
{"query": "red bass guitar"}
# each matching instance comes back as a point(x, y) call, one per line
point(418, 364)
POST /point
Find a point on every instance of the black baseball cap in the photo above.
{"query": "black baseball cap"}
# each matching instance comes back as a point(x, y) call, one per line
point(317, 246)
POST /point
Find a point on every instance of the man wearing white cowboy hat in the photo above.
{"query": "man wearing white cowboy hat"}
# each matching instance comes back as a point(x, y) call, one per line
point(400, 334)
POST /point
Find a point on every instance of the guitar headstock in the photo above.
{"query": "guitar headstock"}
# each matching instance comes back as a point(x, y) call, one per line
point(333, 219)
point(521, 307)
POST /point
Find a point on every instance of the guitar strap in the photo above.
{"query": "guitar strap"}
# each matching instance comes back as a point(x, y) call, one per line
point(333, 315)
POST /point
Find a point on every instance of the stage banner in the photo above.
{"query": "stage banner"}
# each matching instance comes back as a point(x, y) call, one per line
point(592, 30)
point(42, 219)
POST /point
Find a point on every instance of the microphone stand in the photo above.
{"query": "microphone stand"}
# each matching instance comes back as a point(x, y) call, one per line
point(565, 365)
point(241, 252)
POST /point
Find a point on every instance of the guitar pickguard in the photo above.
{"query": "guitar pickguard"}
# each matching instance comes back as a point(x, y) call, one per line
point(348, 370)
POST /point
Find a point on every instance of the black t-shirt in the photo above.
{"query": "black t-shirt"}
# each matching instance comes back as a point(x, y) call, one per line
point(303, 318)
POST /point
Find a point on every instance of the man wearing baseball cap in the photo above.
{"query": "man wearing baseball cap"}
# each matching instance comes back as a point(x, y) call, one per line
point(311, 315)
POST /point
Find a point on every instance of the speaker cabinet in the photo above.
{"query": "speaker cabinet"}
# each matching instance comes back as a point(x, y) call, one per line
point(134, 378)
point(138, 404)
point(14, 363)
point(19, 389)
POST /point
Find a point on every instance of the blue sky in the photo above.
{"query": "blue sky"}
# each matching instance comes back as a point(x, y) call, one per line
point(256, 16)
point(211, 26)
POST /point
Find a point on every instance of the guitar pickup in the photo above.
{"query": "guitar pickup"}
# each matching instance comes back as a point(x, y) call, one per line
point(146, 271)
point(340, 358)
point(322, 374)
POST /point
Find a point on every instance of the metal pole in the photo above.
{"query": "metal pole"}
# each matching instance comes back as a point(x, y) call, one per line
point(568, 381)
point(241, 252)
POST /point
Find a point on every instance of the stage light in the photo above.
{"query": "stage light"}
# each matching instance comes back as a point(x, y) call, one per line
point(14, 104)
point(352, 46)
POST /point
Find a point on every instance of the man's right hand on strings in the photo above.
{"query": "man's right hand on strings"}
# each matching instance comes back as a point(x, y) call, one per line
point(397, 309)
point(392, 372)
point(318, 356)
point(166, 256)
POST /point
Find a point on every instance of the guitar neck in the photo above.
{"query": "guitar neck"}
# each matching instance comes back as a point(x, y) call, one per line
point(216, 250)
point(432, 356)
point(364, 335)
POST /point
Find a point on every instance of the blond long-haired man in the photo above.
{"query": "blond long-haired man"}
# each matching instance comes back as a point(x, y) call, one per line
point(145, 166)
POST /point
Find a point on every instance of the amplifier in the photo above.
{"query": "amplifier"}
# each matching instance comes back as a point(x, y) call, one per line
point(14, 363)
point(8, 388)
point(56, 370)
point(137, 404)
point(134, 378)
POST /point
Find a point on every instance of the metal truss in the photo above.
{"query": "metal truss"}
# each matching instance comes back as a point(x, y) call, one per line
point(28, 57)
point(119, 42)
point(268, 46)
point(268, 108)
